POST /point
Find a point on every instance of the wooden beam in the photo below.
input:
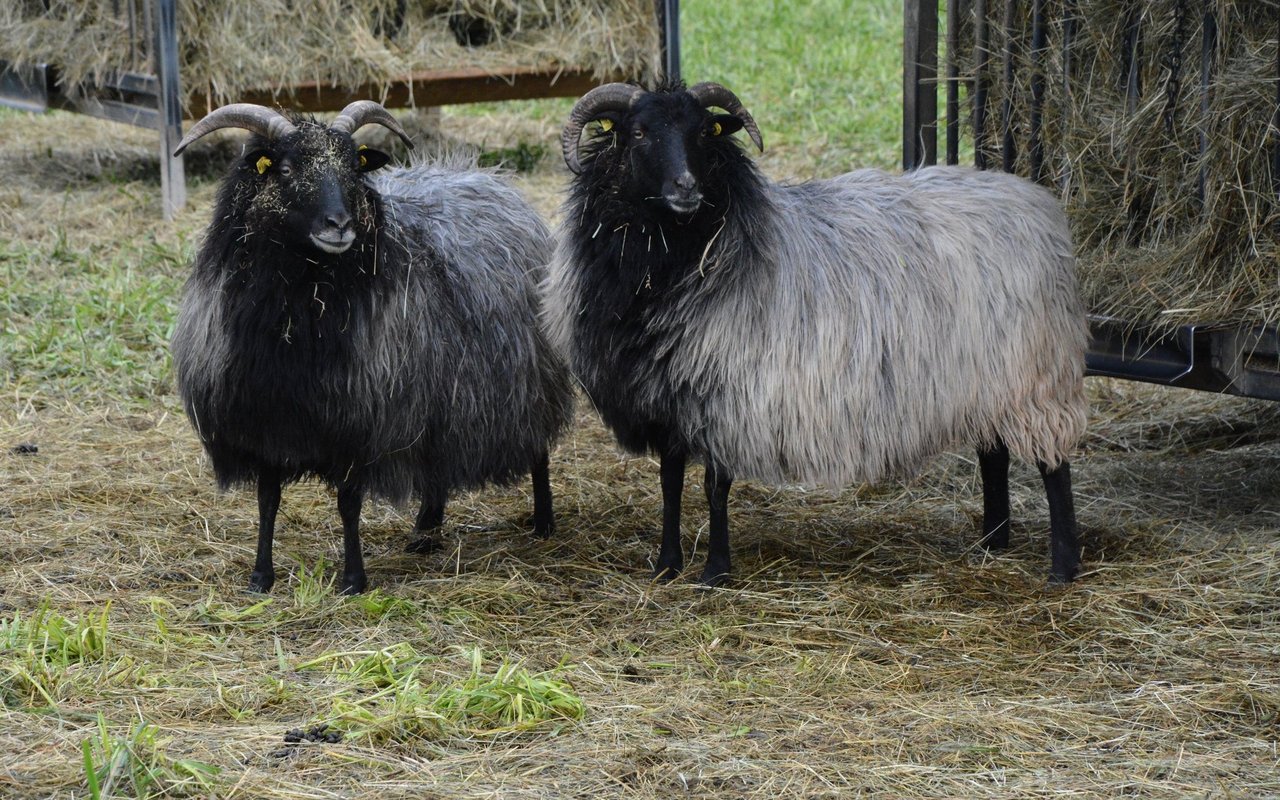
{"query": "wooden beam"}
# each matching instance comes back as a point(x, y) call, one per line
point(431, 88)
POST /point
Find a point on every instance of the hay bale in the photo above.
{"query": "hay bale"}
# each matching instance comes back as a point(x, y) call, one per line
point(228, 47)
point(1153, 247)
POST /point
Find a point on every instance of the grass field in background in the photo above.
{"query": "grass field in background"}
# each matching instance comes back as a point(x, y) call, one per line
point(823, 78)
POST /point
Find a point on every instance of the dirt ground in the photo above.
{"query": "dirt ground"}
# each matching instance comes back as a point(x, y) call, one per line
point(865, 647)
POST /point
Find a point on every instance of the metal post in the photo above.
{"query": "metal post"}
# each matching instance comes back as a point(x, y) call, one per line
point(1275, 125)
point(1208, 44)
point(1038, 37)
point(981, 57)
point(1008, 145)
point(919, 83)
point(669, 21)
point(173, 186)
point(953, 82)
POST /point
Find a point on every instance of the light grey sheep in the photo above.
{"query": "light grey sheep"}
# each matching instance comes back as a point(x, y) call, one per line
point(831, 332)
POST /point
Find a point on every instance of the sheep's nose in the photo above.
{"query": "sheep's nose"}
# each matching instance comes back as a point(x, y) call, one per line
point(685, 182)
point(339, 221)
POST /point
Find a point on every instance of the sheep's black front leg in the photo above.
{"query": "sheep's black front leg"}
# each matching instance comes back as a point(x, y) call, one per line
point(544, 518)
point(263, 576)
point(1063, 547)
point(350, 498)
point(718, 481)
point(993, 463)
point(430, 517)
point(671, 556)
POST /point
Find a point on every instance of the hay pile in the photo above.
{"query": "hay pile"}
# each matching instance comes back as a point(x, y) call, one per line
point(1152, 248)
point(227, 47)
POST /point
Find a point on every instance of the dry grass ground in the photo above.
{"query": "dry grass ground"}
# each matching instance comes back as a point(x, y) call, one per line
point(866, 646)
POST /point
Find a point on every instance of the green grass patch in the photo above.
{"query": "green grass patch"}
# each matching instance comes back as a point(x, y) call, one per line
point(823, 79)
point(507, 699)
point(135, 765)
point(37, 652)
point(82, 320)
point(523, 157)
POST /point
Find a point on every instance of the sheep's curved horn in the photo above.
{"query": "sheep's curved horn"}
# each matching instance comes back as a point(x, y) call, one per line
point(366, 112)
point(713, 94)
point(609, 97)
point(261, 120)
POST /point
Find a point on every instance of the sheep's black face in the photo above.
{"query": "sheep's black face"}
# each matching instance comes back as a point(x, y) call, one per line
point(307, 188)
point(668, 147)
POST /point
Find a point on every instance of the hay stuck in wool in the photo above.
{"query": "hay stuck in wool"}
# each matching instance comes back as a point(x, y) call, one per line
point(1153, 247)
point(228, 47)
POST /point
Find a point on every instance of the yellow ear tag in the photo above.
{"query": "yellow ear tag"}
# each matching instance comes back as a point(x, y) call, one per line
point(263, 163)
point(606, 125)
point(715, 129)
point(363, 161)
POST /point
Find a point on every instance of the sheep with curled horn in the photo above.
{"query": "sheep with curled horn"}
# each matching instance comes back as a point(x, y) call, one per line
point(376, 330)
point(831, 332)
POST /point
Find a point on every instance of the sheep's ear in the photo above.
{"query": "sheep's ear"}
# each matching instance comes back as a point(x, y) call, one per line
point(722, 125)
point(259, 160)
point(371, 159)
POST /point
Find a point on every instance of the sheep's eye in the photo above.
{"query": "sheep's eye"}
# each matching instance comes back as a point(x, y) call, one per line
point(285, 170)
point(637, 133)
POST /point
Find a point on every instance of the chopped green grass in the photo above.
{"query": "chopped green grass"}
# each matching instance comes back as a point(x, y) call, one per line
point(409, 706)
point(135, 765)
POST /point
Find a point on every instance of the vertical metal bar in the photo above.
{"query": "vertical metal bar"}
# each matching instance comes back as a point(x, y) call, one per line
point(1037, 89)
point(953, 82)
point(1275, 122)
point(981, 57)
point(173, 187)
point(1173, 63)
point(1208, 43)
point(1008, 147)
point(919, 83)
point(669, 23)
point(1068, 41)
point(135, 41)
point(1132, 58)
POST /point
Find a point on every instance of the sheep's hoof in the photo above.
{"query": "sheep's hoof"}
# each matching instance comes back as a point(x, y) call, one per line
point(714, 578)
point(422, 545)
point(1061, 579)
point(668, 573)
point(995, 541)
point(354, 585)
point(261, 582)
point(544, 530)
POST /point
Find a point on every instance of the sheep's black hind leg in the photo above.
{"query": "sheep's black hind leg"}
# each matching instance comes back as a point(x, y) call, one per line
point(430, 517)
point(993, 463)
point(1063, 546)
point(350, 499)
point(718, 482)
point(264, 571)
point(544, 518)
point(671, 556)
